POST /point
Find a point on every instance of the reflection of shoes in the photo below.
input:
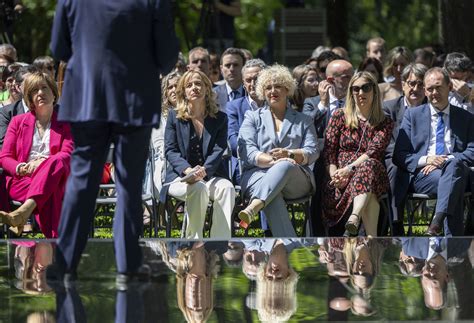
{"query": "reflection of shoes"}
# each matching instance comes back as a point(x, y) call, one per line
point(57, 277)
point(124, 280)
point(352, 224)
point(246, 216)
point(434, 230)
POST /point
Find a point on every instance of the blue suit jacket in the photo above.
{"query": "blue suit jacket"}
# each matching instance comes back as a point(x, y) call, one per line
point(114, 60)
point(414, 136)
point(236, 110)
point(257, 134)
point(177, 135)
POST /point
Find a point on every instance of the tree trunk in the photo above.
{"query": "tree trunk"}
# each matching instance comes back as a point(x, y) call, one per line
point(457, 26)
point(336, 14)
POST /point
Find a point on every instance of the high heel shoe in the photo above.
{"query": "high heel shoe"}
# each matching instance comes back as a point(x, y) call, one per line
point(246, 217)
point(353, 224)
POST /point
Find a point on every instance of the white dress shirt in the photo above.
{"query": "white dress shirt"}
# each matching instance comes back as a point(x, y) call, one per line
point(332, 104)
point(457, 100)
point(229, 92)
point(447, 135)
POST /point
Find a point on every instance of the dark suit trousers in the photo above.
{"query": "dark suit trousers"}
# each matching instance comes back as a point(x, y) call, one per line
point(92, 141)
point(448, 185)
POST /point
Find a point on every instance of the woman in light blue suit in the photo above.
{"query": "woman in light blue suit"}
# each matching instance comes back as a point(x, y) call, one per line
point(277, 145)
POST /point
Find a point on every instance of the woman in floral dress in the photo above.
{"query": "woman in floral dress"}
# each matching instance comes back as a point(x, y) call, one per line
point(356, 139)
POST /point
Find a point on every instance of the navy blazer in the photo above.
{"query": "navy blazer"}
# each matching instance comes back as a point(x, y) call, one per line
point(236, 112)
point(222, 97)
point(6, 115)
point(177, 136)
point(320, 118)
point(414, 136)
point(104, 80)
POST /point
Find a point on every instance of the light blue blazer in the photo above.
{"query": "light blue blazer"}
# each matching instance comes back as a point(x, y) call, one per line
point(257, 134)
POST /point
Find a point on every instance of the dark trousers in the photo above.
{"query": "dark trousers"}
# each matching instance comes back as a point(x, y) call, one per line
point(448, 184)
point(92, 141)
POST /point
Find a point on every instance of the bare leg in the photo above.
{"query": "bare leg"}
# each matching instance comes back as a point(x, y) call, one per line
point(370, 215)
point(358, 207)
point(18, 218)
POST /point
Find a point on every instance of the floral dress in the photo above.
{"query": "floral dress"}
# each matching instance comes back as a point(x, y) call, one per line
point(343, 146)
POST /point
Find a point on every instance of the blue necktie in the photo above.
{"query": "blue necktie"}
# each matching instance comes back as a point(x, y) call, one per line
point(339, 104)
point(234, 95)
point(440, 135)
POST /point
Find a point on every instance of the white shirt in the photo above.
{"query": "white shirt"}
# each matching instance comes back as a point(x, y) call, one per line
point(332, 104)
point(457, 100)
point(447, 135)
point(40, 146)
point(229, 91)
point(25, 107)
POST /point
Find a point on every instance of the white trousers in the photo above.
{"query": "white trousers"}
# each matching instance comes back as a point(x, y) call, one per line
point(196, 197)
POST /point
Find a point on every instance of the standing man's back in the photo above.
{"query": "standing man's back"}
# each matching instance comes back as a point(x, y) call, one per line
point(115, 51)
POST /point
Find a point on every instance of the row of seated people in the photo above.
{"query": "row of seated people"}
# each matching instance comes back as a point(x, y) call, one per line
point(277, 147)
point(355, 144)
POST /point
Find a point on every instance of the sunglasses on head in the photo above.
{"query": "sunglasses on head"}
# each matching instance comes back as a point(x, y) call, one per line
point(367, 87)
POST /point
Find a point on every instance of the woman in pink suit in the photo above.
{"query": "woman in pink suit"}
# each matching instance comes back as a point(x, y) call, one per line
point(35, 158)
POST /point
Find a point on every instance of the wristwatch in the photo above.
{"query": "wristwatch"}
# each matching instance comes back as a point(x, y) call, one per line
point(291, 154)
point(352, 168)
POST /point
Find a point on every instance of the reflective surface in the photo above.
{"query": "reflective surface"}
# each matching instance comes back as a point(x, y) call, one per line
point(250, 280)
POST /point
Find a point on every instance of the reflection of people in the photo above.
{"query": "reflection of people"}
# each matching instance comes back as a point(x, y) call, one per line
point(30, 261)
point(115, 53)
point(363, 258)
point(36, 156)
point(276, 285)
point(277, 145)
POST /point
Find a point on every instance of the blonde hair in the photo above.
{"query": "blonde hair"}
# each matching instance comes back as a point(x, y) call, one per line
point(351, 252)
point(277, 74)
point(377, 115)
point(182, 109)
point(165, 102)
point(200, 309)
point(31, 84)
point(276, 299)
point(393, 55)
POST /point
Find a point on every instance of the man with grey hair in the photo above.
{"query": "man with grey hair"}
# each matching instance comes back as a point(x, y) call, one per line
point(236, 109)
point(413, 96)
point(459, 67)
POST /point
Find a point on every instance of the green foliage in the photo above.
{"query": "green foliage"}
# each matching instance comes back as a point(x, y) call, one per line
point(33, 29)
point(412, 24)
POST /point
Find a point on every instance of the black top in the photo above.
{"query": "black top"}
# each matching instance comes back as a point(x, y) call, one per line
point(195, 156)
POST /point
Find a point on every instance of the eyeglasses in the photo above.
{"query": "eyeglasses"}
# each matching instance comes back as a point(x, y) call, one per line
point(412, 84)
point(366, 88)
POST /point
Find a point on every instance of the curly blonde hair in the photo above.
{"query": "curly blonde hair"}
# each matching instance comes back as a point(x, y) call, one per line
point(182, 109)
point(277, 74)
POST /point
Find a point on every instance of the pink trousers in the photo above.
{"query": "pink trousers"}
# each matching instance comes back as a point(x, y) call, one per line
point(46, 187)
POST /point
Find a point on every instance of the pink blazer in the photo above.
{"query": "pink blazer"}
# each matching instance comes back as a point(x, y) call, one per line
point(19, 138)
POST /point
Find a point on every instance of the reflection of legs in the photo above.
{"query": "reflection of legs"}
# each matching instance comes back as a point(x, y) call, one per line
point(370, 215)
point(196, 197)
point(130, 155)
point(222, 192)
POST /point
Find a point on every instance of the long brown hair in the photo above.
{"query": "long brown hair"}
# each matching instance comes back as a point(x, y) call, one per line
point(376, 115)
point(182, 109)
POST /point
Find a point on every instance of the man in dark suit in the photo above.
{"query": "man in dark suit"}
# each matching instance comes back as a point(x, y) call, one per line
point(413, 96)
point(115, 51)
point(433, 152)
point(236, 109)
point(232, 61)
